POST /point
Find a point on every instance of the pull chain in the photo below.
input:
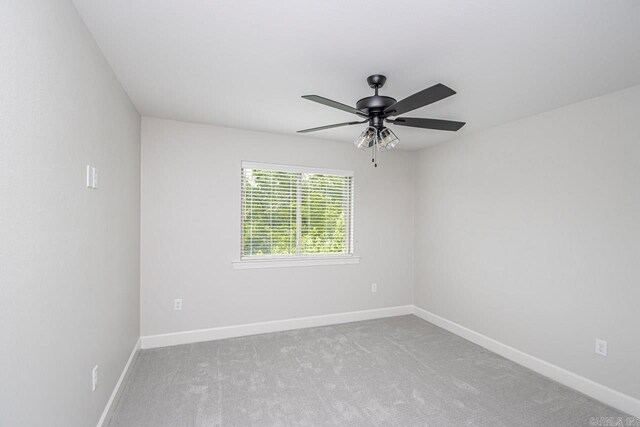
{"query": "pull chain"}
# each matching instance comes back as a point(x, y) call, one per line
point(375, 153)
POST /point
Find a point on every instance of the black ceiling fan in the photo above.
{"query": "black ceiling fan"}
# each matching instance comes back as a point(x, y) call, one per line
point(377, 109)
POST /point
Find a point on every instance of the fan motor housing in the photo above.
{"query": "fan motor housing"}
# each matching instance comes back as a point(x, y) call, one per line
point(375, 104)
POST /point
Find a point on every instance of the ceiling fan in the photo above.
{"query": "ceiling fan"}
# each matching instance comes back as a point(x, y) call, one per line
point(377, 109)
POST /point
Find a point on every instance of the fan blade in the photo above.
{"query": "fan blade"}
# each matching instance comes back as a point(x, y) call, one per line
point(428, 123)
point(334, 104)
point(424, 97)
point(337, 125)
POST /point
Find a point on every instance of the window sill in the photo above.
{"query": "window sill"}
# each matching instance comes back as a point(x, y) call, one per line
point(294, 262)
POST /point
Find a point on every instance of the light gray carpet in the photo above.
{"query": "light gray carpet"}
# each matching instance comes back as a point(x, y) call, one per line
point(399, 371)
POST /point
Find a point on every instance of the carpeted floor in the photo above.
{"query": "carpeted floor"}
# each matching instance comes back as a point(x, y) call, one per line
point(399, 371)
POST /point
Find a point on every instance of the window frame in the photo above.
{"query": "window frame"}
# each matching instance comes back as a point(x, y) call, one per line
point(299, 259)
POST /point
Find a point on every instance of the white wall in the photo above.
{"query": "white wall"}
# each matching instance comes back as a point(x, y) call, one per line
point(529, 233)
point(191, 230)
point(69, 256)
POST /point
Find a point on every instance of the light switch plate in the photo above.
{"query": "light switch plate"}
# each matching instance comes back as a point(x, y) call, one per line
point(94, 378)
point(92, 177)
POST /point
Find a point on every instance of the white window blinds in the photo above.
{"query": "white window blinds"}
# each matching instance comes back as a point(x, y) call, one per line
point(294, 211)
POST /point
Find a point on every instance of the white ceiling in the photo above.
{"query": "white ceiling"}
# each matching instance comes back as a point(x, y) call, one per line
point(245, 63)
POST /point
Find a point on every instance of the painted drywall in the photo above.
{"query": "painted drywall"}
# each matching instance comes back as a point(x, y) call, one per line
point(69, 256)
point(529, 233)
point(191, 230)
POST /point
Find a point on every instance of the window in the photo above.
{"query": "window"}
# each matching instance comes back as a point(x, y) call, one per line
point(295, 212)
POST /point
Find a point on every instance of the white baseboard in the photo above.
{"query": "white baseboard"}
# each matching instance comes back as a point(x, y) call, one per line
point(584, 385)
point(114, 393)
point(187, 337)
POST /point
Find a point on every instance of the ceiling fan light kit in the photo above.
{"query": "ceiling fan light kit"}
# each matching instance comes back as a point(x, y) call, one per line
point(377, 109)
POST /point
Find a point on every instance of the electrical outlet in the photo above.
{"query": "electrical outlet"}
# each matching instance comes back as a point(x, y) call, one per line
point(374, 288)
point(601, 347)
point(177, 304)
point(94, 378)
